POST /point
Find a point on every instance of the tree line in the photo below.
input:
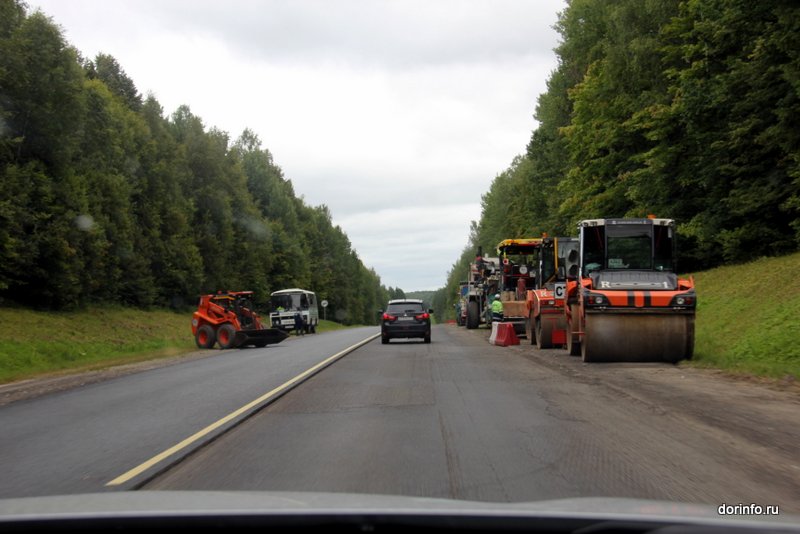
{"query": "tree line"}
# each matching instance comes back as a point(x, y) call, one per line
point(105, 199)
point(686, 109)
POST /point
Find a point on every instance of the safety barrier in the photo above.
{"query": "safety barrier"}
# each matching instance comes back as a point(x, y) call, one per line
point(503, 335)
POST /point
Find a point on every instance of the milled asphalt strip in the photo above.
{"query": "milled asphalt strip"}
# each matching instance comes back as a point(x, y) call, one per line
point(244, 410)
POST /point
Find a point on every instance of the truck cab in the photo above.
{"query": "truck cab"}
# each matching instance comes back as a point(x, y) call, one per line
point(287, 303)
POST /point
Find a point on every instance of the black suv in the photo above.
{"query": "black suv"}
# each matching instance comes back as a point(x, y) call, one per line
point(406, 318)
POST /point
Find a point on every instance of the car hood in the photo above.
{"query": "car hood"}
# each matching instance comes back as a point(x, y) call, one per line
point(310, 509)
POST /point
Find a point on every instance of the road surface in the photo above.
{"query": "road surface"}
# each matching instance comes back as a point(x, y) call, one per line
point(457, 418)
point(463, 419)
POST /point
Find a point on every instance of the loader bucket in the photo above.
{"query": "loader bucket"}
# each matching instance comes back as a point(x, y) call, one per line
point(259, 338)
point(637, 337)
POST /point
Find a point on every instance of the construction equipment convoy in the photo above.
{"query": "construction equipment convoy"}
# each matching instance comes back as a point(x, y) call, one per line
point(229, 320)
point(627, 303)
point(546, 324)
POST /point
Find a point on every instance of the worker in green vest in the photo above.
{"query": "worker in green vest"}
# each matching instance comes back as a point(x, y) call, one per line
point(497, 309)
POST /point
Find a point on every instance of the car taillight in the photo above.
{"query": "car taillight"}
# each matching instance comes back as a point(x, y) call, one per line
point(387, 317)
point(422, 316)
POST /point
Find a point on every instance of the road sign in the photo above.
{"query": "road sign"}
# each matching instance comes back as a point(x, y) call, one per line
point(324, 303)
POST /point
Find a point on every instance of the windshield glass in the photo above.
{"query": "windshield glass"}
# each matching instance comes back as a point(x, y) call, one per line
point(629, 247)
point(382, 182)
point(569, 256)
point(405, 307)
point(290, 301)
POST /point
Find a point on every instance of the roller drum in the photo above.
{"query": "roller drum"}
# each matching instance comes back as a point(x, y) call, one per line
point(546, 324)
point(637, 337)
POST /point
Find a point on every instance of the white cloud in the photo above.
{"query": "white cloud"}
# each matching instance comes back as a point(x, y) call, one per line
point(366, 105)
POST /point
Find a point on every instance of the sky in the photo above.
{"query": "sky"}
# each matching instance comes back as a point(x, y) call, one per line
point(396, 114)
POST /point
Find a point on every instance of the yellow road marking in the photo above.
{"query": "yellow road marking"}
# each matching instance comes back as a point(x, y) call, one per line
point(141, 468)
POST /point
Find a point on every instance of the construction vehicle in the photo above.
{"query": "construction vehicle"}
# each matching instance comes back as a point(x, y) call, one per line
point(461, 303)
point(287, 303)
point(519, 260)
point(558, 259)
point(482, 283)
point(229, 320)
point(627, 303)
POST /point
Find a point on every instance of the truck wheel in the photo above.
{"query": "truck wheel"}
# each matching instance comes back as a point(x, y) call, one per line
point(205, 337)
point(530, 331)
point(473, 315)
point(225, 336)
point(573, 345)
point(544, 334)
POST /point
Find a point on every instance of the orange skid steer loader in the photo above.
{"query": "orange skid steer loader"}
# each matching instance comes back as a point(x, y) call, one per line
point(229, 320)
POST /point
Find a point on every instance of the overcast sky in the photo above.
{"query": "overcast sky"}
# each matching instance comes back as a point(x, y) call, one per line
point(396, 114)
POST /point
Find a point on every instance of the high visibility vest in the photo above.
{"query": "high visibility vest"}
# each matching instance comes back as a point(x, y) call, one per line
point(497, 306)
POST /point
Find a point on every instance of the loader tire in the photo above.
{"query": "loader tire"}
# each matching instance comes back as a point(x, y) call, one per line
point(473, 315)
point(205, 337)
point(225, 336)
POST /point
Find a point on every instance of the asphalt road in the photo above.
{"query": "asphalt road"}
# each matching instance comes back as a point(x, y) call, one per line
point(92, 430)
point(459, 418)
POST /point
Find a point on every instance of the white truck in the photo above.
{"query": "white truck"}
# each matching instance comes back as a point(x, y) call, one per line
point(287, 303)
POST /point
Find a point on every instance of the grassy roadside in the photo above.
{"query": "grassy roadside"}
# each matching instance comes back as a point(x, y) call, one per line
point(34, 343)
point(747, 318)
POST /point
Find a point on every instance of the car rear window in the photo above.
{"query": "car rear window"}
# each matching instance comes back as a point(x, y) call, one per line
point(403, 307)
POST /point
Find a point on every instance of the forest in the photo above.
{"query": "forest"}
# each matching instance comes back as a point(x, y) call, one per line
point(685, 109)
point(105, 199)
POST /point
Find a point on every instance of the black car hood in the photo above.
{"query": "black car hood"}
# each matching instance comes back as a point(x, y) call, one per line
point(234, 509)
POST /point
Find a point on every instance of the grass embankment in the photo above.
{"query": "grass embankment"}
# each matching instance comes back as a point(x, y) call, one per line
point(35, 343)
point(748, 317)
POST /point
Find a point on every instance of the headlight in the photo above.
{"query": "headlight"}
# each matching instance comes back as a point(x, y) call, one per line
point(194, 322)
point(685, 299)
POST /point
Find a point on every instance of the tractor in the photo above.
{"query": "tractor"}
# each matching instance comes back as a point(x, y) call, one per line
point(229, 320)
point(482, 283)
point(519, 259)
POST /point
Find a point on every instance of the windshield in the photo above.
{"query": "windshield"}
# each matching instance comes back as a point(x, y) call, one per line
point(169, 170)
point(291, 301)
point(629, 247)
